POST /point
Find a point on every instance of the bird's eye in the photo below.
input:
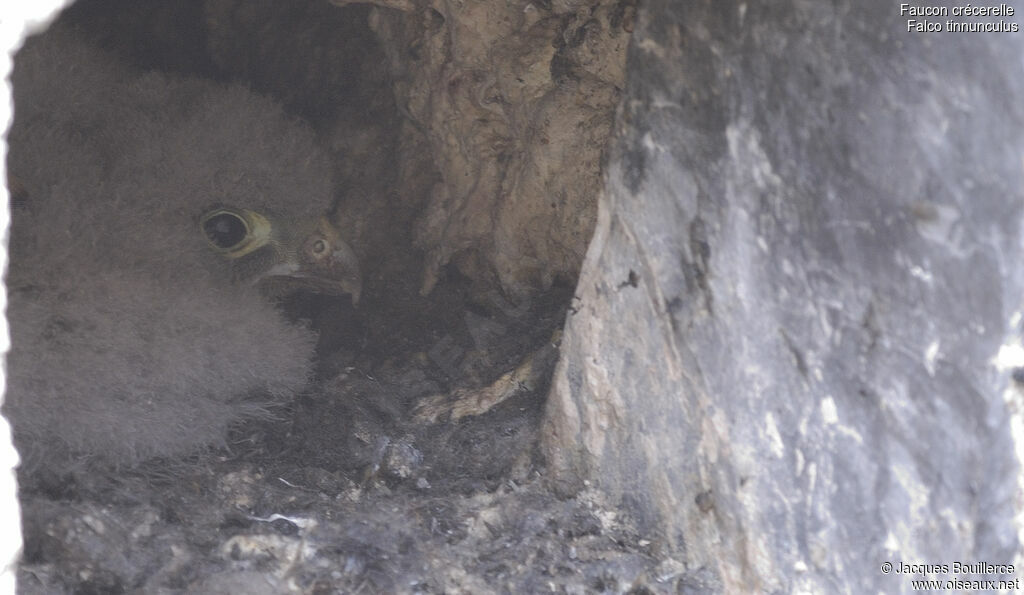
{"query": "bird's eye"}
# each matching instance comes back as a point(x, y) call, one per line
point(319, 247)
point(235, 232)
point(225, 230)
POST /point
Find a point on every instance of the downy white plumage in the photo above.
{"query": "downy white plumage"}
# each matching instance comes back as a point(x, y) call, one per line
point(138, 325)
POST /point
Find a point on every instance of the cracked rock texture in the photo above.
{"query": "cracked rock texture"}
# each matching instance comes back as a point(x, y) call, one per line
point(806, 258)
point(515, 102)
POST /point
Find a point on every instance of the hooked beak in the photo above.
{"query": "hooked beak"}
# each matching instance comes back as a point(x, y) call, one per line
point(323, 263)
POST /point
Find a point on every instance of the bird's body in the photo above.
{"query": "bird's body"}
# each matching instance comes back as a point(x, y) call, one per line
point(137, 325)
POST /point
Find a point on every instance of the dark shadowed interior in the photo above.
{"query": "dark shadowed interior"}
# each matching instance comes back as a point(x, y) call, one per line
point(415, 443)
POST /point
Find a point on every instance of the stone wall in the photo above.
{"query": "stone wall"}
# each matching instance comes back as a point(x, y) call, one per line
point(806, 261)
point(515, 101)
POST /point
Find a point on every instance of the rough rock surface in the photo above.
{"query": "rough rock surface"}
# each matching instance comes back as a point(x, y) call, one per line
point(515, 100)
point(806, 258)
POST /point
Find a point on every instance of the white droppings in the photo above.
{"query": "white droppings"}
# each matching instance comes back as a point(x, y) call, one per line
point(745, 145)
point(826, 324)
point(799, 462)
point(787, 267)
point(648, 139)
point(650, 46)
point(931, 353)
point(920, 273)
point(803, 425)
point(916, 491)
point(1015, 320)
point(829, 413)
point(891, 544)
point(851, 433)
point(1015, 403)
point(1010, 356)
point(774, 438)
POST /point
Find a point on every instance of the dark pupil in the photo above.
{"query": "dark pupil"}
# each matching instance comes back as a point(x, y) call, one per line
point(225, 230)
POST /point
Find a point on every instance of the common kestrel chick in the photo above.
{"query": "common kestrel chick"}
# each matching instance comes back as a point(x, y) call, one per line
point(153, 216)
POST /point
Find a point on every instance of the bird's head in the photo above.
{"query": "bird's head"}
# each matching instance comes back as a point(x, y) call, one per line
point(280, 254)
